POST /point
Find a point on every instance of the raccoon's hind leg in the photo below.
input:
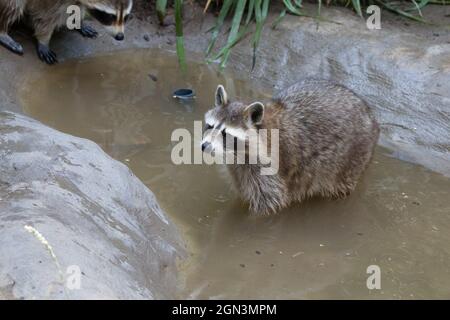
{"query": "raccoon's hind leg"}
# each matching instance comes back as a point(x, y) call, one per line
point(358, 158)
point(8, 15)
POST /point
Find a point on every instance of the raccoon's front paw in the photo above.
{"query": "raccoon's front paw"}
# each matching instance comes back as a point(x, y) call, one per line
point(88, 32)
point(10, 44)
point(45, 54)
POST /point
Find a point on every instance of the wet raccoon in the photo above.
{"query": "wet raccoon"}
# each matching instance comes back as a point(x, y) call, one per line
point(326, 139)
point(48, 15)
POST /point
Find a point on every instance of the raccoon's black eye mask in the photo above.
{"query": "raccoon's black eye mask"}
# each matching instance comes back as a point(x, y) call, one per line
point(104, 18)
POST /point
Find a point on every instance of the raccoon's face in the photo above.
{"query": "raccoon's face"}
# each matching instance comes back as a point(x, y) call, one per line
point(227, 124)
point(112, 14)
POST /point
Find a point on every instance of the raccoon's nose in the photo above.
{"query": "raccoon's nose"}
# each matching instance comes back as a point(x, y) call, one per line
point(120, 36)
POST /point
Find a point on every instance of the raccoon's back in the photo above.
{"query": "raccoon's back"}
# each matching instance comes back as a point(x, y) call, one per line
point(317, 96)
point(320, 106)
point(322, 124)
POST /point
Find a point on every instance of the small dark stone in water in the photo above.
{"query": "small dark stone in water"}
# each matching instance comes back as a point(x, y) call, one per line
point(242, 265)
point(272, 265)
point(146, 37)
point(360, 233)
point(436, 34)
point(417, 203)
point(258, 252)
point(153, 77)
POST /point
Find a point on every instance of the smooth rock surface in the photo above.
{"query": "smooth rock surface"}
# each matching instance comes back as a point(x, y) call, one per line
point(93, 212)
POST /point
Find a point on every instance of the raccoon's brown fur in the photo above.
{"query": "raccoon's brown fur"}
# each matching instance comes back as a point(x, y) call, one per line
point(46, 16)
point(326, 139)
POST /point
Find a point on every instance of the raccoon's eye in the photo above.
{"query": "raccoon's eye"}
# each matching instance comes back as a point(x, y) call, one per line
point(126, 18)
point(104, 18)
point(207, 127)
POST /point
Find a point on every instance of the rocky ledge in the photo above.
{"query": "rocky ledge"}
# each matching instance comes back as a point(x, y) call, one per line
point(77, 224)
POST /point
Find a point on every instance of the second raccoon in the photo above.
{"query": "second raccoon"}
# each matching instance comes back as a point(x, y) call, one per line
point(48, 15)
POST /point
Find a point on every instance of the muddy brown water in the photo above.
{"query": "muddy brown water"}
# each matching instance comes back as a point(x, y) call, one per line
point(397, 219)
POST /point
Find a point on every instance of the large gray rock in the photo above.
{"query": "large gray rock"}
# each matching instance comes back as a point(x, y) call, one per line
point(92, 212)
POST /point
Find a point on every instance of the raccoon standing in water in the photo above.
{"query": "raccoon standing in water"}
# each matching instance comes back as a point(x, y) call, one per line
point(48, 15)
point(326, 139)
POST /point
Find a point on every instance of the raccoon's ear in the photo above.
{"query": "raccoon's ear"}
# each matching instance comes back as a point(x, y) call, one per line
point(221, 96)
point(255, 113)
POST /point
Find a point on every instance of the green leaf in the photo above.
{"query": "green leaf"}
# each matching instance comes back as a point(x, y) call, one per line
point(294, 9)
point(441, 2)
point(219, 23)
point(357, 7)
point(235, 24)
point(261, 10)
point(179, 33)
point(161, 6)
point(418, 6)
point(241, 35)
point(400, 12)
point(250, 11)
point(278, 20)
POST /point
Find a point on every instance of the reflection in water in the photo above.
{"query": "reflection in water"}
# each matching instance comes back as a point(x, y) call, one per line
point(398, 218)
